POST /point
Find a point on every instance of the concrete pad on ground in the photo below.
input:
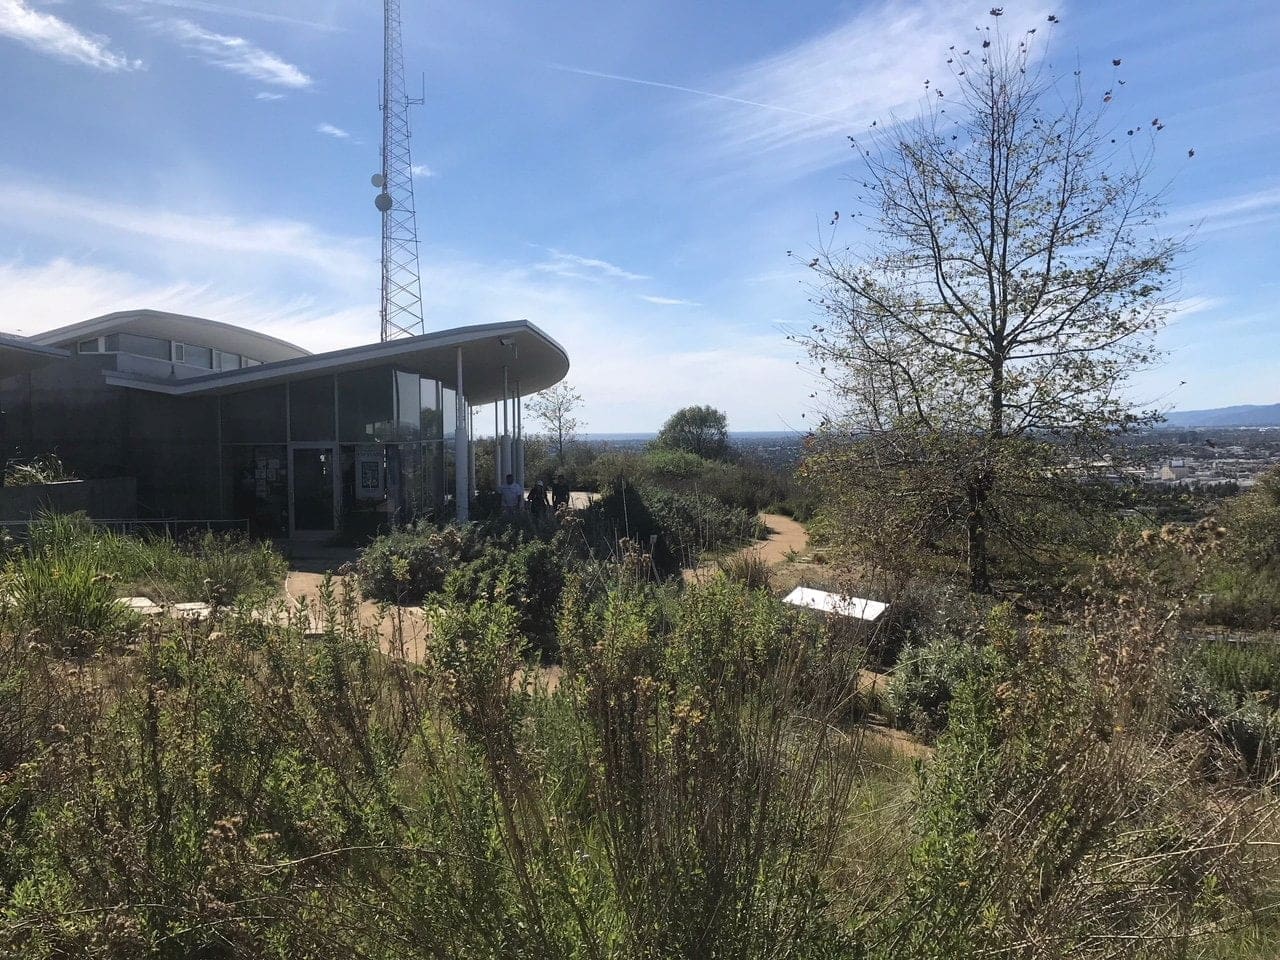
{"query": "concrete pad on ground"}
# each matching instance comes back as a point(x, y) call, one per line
point(855, 608)
point(143, 605)
point(194, 610)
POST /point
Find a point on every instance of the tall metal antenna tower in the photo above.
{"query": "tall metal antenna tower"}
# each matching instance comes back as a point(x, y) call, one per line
point(401, 285)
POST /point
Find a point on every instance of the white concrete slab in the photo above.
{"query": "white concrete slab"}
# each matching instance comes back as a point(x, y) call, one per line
point(836, 603)
point(190, 611)
point(143, 605)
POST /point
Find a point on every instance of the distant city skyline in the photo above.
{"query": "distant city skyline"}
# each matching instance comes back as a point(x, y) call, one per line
point(628, 177)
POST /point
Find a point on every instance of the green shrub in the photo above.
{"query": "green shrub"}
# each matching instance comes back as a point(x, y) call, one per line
point(928, 675)
point(682, 526)
point(1243, 668)
point(748, 568)
point(1232, 692)
point(64, 600)
point(1059, 817)
point(409, 565)
point(528, 576)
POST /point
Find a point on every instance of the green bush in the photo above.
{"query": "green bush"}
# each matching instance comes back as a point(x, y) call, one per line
point(58, 591)
point(1232, 692)
point(927, 677)
point(682, 526)
point(409, 565)
point(1059, 817)
point(1242, 668)
point(213, 567)
point(528, 576)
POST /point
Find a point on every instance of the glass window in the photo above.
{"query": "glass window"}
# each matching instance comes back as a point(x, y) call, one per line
point(247, 362)
point(88, 346)
point(138, 346)
point(432, 425)
point(311, 409)
point(256, 480)
point(408, 406)
point(194, 356)
point(366, 406)
point(450, 410)
point(226, 361)
point(254, 416)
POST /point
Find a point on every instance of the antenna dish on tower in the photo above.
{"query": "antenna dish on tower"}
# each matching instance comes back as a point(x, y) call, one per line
point(378, 180)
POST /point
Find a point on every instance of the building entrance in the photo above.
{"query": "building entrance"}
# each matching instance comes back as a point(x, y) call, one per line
point(313, 479)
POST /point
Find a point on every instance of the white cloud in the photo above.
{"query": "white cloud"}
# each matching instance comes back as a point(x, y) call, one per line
point(633, 373)
point(789, 114)
point(218, 8)
point(669, 301)
point(421, 171)
point(236, 54)
point(161, 232)
point(329, 130)
point(51, 35)
point(42, 296)
point(572, 266)
point(266, 95)
point(1228, 213)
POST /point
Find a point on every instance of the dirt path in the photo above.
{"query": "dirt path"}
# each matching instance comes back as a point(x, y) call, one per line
point(402, 631)
point(785, 537)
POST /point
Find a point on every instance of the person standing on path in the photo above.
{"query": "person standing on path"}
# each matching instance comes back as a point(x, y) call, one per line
point(538, 499)
point(512, 496)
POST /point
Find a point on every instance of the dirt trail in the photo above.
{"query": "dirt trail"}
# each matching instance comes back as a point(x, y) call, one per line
point(785, 537)
point(409, 624)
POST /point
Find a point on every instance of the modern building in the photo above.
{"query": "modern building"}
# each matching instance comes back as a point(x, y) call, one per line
point(218, 422)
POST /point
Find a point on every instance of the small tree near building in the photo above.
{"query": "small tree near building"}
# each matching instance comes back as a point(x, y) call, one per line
point(556, 409)
point(703, 431)
point(978, 345)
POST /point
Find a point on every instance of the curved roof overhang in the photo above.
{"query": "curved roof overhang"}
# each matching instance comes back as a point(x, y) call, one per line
point(515, 352)
point(180, 327)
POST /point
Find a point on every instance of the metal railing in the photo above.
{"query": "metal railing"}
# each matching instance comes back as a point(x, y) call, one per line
point(168, 526)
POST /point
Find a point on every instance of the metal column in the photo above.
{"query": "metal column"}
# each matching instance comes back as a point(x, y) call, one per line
point(461, 457)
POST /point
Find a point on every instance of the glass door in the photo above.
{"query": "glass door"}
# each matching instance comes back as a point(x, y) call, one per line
point(314, 477)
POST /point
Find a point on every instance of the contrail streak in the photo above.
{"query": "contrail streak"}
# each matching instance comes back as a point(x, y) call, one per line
point(701, 93)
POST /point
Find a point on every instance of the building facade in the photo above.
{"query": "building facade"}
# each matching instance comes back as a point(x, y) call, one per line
point(217, 422)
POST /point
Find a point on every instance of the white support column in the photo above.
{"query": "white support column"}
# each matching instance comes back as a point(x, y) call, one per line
point(461, 457)
point(471, 451)
point(497, 450)
point(517, 452)
point(504, 442)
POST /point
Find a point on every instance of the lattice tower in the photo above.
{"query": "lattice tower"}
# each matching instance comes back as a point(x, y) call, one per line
point(401, 284)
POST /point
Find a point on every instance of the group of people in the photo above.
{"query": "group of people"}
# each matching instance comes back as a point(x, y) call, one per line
point(541, 497)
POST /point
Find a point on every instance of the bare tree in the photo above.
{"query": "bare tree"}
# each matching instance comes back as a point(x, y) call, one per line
point(556, 409)
point(1013, 278)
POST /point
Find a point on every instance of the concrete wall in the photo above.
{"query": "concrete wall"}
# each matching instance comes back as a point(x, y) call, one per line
point(67, 410)
point(107, 499)
point(172, 448)
point(168, 444)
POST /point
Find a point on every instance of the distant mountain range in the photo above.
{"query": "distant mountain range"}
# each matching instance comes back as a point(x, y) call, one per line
point(1246, 415)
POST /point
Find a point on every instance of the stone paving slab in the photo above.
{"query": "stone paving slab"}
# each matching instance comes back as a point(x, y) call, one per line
point(190, 611)
point(143, 605)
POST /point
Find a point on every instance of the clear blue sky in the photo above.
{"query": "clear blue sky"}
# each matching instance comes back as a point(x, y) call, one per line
point(627, 175)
